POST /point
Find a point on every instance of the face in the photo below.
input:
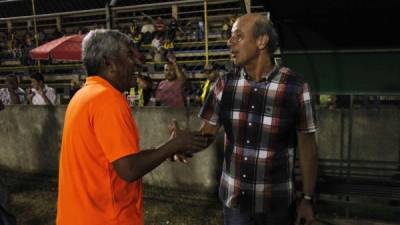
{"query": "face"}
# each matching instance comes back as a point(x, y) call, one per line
point(169, 72)
point(36, 84)
point(125, 68)
point(242, 43)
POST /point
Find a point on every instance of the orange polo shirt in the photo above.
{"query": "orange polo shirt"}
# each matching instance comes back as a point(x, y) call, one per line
point(98, 129)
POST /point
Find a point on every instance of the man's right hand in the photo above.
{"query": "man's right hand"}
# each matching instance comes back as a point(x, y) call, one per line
point(189, 142)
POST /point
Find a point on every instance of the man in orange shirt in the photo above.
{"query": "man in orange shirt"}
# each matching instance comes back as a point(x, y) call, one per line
point(101, 164)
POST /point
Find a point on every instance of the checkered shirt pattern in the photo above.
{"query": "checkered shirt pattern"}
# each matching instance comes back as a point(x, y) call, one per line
point(260, 121)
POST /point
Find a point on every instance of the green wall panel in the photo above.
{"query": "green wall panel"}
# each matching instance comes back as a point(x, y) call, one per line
point(348, 73)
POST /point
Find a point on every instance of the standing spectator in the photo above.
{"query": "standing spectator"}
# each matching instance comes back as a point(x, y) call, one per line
point(171, 91)
point(147, 31)
point(40, 93)
point(212, 75)
point(26, 48)
point(200, 29)
point(160, 26)
point(1, 105)
point(13, 94)
point(137, 39)
point(172, 28)
point(101, 163)
point(226, 30)
point(156, 48)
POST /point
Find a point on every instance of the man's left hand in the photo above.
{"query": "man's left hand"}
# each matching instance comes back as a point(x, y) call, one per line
point(305, 213)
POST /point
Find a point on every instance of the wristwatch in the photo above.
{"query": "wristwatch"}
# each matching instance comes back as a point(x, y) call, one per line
point(308, 197)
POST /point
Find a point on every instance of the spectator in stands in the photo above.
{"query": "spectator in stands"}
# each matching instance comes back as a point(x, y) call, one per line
point(226, 30)
point(265, 110)
point(171, 91)
point(11, 40)
point(137, 39)
point(42, 37)
point(26, 48)
point(134, 27)
point(145, 88)
point(13, 94)
point(101, 164)
point(160, 26)
point(156, 48)
point(167, 48)
point(172, 28)
point(40, 93)
point(58, 33)
point(147, 31)
point(212, 75)
point(200, 29)
point(74, 87)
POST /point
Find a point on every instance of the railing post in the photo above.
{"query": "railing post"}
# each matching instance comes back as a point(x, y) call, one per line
point(108, 16)
point(206, 31)
point(35, 32)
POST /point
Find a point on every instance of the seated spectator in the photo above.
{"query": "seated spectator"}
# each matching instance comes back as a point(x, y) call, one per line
point(13, 94)
point(40, 93)
point(171, 91)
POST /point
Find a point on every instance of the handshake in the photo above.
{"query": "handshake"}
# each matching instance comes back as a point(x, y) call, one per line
point(187, 142)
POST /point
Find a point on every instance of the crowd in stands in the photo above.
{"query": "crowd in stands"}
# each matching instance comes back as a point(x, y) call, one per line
point(38, 94)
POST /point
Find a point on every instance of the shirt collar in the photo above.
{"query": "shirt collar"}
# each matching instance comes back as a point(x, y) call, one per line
point(266, 78)
point(95, 79)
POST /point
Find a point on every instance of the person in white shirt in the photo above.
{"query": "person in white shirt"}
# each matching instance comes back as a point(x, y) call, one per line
point(40, 94)
point(12, 94)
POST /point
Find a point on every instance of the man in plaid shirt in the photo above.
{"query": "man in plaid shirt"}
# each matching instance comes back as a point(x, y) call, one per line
point(266, 112)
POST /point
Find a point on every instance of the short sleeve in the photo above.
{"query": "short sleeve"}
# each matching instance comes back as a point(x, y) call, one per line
point(306, 119)
point(116, 130)
point(51, 95)
point(211, 107)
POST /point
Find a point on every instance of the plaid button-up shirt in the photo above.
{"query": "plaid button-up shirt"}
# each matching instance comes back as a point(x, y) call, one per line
point(260, 121)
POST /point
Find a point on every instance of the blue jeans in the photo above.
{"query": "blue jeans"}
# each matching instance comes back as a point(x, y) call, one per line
point(233, 216)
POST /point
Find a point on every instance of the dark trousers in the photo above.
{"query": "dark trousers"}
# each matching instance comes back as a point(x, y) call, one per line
point(233, 216)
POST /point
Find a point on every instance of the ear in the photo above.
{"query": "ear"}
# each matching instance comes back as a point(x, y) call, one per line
point(109, 65)
point(262, 42)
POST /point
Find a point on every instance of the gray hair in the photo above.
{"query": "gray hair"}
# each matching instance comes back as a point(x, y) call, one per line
point(101, 44)
point(263, 26)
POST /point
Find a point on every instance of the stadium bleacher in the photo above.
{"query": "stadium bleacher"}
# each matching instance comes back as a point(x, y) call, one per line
point(75, 16)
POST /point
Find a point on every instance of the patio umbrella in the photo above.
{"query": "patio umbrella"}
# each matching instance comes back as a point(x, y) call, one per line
point(69, 48)
point(64, 48)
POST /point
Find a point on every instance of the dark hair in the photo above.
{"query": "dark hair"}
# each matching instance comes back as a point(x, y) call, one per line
point(37, 76)
point(263, 26)
point(100, 44)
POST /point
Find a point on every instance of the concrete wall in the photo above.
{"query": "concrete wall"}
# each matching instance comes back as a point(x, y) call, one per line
point(30, 139)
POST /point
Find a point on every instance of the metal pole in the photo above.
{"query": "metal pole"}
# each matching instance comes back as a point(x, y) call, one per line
point(206, 30)
point(35, 31)
point(108, 16)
